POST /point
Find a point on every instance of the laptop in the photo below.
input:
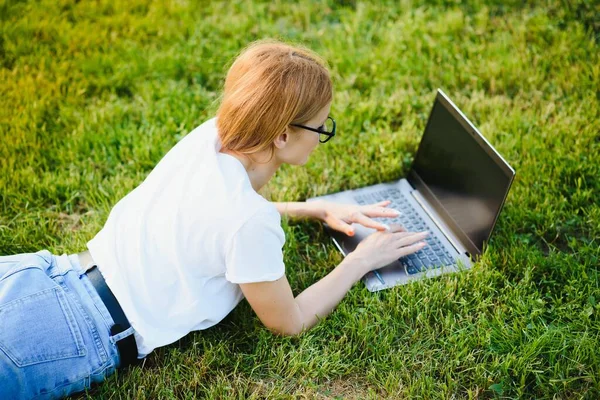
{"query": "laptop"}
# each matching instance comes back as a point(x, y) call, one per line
point(455, 189)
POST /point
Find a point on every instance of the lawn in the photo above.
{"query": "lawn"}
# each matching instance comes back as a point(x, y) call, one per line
point(94, 93)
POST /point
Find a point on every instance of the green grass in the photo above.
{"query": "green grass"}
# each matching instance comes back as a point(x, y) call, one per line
point(93, 94)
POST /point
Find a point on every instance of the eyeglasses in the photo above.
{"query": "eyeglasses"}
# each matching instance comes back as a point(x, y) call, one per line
point(327, 129)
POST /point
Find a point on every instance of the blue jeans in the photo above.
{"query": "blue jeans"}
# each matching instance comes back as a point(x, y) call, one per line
point(54, 328)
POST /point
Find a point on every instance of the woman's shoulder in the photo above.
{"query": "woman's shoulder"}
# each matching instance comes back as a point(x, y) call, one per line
point(256, 207)
point(207, 129)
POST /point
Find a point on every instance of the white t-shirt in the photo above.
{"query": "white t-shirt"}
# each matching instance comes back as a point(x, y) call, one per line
point(174, 250)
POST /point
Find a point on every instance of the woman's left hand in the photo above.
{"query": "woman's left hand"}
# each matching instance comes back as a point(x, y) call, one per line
point(341, 216)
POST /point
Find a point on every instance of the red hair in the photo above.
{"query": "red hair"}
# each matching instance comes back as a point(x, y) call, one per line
point(270, 86)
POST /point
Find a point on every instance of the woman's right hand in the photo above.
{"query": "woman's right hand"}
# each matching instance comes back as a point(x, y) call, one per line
point(382, 248)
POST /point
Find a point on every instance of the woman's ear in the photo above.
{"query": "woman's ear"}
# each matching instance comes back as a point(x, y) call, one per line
point(282, 140)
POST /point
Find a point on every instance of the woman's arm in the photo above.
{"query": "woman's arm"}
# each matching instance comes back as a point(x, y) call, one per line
point(274, 302)
point(340, 216)
point(301, 209)
point(278, 310)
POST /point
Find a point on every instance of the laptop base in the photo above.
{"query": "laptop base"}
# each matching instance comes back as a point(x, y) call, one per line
point(398, 272)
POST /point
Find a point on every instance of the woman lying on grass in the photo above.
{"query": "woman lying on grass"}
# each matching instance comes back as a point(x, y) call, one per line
point(179, 252)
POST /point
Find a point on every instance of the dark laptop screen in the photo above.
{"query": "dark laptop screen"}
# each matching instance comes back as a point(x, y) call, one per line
point(468, 183)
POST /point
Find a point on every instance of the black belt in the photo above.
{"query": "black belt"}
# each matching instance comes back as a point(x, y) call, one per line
point(127, 347)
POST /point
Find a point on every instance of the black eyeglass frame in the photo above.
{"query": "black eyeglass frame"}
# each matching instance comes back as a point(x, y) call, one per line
point(320, 131)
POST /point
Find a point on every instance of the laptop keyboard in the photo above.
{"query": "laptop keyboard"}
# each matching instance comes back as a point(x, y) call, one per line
point(434, 255)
